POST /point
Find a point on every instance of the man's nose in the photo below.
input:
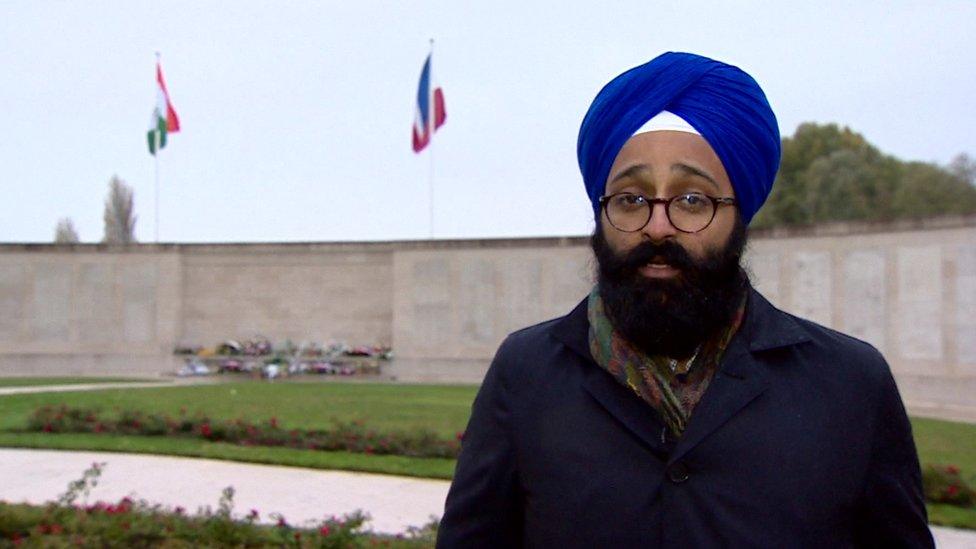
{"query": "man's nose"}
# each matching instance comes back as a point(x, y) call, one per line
point(659, 227)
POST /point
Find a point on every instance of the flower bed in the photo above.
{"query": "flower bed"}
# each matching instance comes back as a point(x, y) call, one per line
point(944, 484)
point(345, 436)
point(131, 523)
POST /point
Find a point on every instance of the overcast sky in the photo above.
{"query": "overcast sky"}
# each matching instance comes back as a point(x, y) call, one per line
point(296, 116)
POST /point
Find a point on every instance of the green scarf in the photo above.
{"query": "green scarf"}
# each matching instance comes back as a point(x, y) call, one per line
point(672, 387)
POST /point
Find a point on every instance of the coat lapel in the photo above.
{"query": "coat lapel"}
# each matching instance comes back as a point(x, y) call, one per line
point(741, 378)
point(619, 401)
point(627, 408)
point(737, 383)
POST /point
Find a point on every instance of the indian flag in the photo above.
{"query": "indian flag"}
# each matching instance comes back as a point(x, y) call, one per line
point(164, 120)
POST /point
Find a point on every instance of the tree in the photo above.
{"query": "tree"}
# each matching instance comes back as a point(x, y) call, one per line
point(927, 190)
point(830, 173)
point(849, 185)
point(963, 167)
point(65, 232)
point(120, 220)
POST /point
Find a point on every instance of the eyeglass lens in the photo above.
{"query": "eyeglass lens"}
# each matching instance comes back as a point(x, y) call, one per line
point(690, 212)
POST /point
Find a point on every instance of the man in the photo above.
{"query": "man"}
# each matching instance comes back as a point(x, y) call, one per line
point(675, 406)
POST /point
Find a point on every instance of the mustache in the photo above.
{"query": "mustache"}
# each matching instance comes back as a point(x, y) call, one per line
point(649, 252)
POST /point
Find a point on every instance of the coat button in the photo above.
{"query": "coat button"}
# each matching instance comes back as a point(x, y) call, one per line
point(678, 472)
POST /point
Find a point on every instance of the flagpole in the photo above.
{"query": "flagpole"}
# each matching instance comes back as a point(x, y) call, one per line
point(156, 216)
point(156, 167)
point(430, 194)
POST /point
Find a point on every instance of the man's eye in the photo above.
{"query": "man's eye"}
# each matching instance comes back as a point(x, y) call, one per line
point(630, 200)
point(692, 201)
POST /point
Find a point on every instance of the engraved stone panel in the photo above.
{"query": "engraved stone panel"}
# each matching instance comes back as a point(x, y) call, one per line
point(567, 281)
point(138, 284)
point(811, 293)
point(50, 311)
point(919, 316)
point(521, 282)
point(864, 296)
point(763, 269)
point(477, 301)
point(431, 302)
point(94, 306)
point(13, 288)
point(966, 304)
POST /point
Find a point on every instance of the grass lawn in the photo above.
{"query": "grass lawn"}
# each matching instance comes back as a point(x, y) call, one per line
point(36, 381)
point(343, 461)
point(443, 409)
point(946, 443)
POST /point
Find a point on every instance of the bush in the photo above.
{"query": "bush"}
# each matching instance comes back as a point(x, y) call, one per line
point(943, 484)
point(351, 436)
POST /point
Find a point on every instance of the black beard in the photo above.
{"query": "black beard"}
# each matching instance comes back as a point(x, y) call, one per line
point(671, 317)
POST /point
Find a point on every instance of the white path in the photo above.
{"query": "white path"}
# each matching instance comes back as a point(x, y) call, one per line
point(301, 495)
point(97, 386)
point(37, 476)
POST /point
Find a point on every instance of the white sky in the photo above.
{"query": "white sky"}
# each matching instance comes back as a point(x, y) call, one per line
point(296, 116)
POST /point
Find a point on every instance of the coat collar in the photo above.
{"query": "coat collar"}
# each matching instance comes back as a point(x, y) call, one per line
point(741, 377)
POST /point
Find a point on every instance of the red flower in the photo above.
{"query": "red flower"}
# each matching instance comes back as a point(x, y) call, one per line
point(205, 430)
point(324, 531)
point(56, 529)
point(282, 523)
point(952, 469)
point(48, 428)
point(99, 428)
point(460, 435)
point(369, 450)
point(952, 490)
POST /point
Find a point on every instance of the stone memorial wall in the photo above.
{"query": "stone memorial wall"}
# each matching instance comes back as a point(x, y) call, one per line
point(444, 306)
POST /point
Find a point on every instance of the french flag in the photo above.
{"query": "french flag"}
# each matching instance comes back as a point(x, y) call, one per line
point(426, 121)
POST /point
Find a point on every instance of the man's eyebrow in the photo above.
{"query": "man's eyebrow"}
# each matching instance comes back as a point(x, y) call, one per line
point(691, 170)
point(631, 172)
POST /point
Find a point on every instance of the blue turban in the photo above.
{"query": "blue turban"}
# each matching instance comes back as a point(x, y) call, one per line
point(722, 102)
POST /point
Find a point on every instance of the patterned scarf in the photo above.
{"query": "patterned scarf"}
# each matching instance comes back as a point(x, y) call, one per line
point(672, 387)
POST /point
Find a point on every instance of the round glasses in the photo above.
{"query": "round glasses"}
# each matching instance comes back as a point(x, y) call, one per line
point(688, 213)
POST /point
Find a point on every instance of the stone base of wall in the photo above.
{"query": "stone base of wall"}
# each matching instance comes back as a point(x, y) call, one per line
point(939, 397)
point(86, 365)
point(408, 370)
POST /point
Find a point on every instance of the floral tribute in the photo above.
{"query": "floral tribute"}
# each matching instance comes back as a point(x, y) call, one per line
point(351, 436)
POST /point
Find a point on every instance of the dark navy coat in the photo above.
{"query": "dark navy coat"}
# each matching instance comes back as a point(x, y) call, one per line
point(801, 440)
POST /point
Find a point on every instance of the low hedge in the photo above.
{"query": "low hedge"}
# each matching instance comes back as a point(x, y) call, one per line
point(352, 436)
